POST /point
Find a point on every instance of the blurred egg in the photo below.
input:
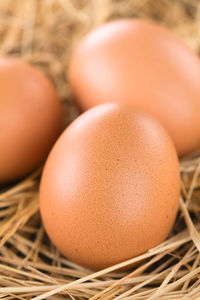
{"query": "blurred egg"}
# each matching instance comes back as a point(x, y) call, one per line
point(135, 62)
point(30, 119)
point(110, 187)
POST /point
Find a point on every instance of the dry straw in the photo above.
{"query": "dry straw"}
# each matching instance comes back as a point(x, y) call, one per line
point(44, 32)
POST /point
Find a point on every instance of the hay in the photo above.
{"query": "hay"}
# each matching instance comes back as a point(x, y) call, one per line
point(44, 32)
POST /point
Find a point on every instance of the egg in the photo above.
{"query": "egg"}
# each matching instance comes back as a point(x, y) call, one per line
point(144, 65)
point(30, 119)
point(110, 186)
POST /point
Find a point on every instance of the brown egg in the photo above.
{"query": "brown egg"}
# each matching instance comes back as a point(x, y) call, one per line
point(134, 62)
point(110, 187)
point(30, 119)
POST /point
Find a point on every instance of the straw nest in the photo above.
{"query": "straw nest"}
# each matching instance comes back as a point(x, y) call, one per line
point(44, 32)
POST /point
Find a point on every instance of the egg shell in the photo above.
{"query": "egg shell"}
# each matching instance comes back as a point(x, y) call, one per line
point(145, 65)
point(30, 119)
point(110, 187)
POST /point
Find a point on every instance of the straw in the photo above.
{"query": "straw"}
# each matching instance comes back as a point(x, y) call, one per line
point(44, 33)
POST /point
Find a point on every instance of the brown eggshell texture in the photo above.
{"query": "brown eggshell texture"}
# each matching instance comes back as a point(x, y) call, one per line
point(30, 119)
point(110, 187)
point(135, 62)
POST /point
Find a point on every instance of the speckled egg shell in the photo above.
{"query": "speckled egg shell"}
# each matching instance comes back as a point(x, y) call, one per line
point(110, 187)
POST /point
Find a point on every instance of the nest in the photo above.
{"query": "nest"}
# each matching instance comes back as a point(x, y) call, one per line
point(44, 33)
